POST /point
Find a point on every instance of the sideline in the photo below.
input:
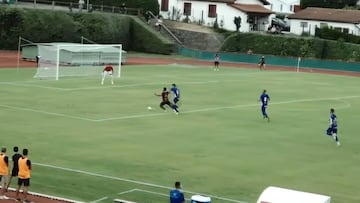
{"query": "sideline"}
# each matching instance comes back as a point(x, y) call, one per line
point(135, 182)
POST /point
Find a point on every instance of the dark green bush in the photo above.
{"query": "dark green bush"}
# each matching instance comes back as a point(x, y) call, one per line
point(143, 39)
point(292, 46)
point(58, 26)
point(331, 34)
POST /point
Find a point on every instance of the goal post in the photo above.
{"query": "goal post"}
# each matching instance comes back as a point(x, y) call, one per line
point(24, 44)
point(58, 60)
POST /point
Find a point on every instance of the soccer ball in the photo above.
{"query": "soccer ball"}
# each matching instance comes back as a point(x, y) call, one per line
point(149, 108)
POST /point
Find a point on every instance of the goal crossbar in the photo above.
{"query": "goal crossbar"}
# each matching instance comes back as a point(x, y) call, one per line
point(84, 51)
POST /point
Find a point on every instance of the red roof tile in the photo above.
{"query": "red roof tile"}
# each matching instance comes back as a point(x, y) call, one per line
point(265, 2)
point(251, 8)
point(327, 14)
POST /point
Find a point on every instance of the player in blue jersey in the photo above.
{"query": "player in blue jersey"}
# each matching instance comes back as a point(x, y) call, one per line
point(264, 99)
point(176, 94)
point(332, 130)
point(176, 195)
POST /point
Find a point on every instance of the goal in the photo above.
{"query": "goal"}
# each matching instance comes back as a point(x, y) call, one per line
point(56, 60)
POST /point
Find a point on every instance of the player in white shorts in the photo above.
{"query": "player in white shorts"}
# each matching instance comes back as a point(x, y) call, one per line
point(108, 71)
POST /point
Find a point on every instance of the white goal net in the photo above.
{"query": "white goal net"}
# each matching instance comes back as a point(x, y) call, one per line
point(60, 60)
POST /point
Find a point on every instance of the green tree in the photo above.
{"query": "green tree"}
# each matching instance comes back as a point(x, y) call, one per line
point(327, 3)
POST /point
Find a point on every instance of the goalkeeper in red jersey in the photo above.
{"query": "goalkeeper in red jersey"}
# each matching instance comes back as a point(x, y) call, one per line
point(108, 71)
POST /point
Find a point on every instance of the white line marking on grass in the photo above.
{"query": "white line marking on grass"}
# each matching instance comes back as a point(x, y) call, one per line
point(224, 107)
point(131, 181)
point(46, 112)
point(127, 191)
point(99, 200)
point(101, 87)
point(212, 196)
point(30, 85)
point(165, 114)
point(151, 192)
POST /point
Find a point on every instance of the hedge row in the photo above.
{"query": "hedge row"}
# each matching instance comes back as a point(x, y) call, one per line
point(332, 34)
point(292, 46)
point(59, 26)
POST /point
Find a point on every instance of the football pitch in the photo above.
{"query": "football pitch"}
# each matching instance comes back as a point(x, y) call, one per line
point(95, 143)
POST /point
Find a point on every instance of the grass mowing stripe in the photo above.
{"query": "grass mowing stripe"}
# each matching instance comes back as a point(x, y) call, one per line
point(228, 107)
point(184, 112)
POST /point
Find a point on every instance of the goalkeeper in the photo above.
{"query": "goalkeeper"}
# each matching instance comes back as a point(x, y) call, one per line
point(108, 71)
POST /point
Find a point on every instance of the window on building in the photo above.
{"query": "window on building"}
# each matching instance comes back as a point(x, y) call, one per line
point(271, 6)
point(187, 9)
point(281, 7)
point(323, 25)
point(291, 8)
point(212, 11)
point(164, 5)
point(303, 24)
point(337, 29)
point(346, 30)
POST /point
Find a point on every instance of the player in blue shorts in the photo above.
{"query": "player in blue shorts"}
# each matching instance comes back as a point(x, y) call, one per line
point(264, 99)
point(176, 195)
point(176, 94)
point(332, 130)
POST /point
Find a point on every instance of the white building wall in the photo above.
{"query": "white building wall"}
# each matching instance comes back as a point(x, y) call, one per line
point(225, 13)
point(248, 2)
point(296, 26)
point(200, 12)
point(282, 6)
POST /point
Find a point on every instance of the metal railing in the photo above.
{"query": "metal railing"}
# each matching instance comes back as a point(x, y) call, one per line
point(76, 7)
point(163, 26)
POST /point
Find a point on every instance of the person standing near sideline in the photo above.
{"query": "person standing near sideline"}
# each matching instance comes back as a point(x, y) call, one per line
point(24, 175)
point(15, 167)
point(264, 99)
point(176, 195)
point(332, 130)
point(216, 62)
point(4, 172)
point(262, 63)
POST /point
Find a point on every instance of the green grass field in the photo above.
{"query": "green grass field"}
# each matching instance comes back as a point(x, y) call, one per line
point(95, 143)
